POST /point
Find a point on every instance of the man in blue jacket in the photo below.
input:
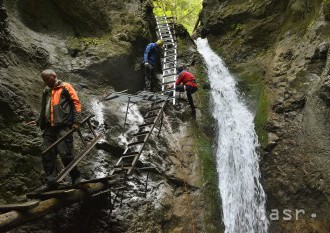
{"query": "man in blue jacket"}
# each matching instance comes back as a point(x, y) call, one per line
point(149, 59)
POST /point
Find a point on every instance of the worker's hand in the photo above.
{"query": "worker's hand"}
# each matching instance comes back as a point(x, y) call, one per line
point(32, 123)
point(146, 64)
point(75, 126)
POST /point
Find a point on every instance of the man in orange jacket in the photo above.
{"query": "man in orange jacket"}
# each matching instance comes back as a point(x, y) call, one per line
point(186, 82)
point(60, 111)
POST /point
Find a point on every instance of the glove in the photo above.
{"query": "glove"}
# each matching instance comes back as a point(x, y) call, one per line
point(146, 64)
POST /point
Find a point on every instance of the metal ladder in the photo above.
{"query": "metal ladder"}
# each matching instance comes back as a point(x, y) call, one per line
point(166, 32)
point(134, 148)
point(87, 147)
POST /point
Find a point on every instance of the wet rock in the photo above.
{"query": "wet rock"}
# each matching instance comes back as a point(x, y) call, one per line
point(110, 147)
point(290, 105)
point(325, 91)
point(326, 10)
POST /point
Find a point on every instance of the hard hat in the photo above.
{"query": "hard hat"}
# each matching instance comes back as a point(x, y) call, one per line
point(160, 42)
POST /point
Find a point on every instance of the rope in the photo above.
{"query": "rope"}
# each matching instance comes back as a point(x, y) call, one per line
point(190, 210)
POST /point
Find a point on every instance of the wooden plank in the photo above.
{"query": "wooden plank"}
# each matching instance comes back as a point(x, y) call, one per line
point(15, 218)
point(52, 194)
point(19, 206)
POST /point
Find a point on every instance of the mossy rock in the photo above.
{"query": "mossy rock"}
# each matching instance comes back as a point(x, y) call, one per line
point(326, 10)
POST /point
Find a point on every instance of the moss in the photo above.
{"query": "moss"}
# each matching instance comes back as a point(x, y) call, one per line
point(261, 117)
point(203, 145)
point(208, 178)
point(106, 45)
point(251, 83)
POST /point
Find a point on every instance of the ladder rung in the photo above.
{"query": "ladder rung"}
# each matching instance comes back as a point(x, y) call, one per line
point(168, 90)
point(168, 82)
point(168, 62)
point(168, 23)
point(169, 68)
point(166, 36)
point(123, 165)
point(146, 124)
point(171, 55)
point(169, 43)
point(166, 59)
point(141, 133)
point(121, 169)
point(130, 154)
point(157, 102)
point(154, 109)
point(136, 143)
point(168, 75)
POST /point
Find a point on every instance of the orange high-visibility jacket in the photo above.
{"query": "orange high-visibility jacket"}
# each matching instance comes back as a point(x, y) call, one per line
point(65, 107)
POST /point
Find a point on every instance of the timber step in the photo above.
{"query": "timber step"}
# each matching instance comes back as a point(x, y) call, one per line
point(19, 206)
point(51, 194)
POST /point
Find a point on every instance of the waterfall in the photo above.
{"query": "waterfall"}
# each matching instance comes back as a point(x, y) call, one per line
point(243, 198)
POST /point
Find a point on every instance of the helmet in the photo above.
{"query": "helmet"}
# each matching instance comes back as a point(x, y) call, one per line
point(160, 42)
point(180, 68)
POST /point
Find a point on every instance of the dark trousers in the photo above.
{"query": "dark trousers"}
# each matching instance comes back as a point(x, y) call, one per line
point(189, 91)
point(64, 148)
point(149, 73)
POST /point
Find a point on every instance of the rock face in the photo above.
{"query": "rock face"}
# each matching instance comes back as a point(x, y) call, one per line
point(279, 52)
point(97, 46)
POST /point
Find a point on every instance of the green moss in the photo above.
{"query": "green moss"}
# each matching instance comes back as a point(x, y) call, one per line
point(208, 178)
point(261, 117)
point(250, 81)
point(203, 145)
point(106, 45)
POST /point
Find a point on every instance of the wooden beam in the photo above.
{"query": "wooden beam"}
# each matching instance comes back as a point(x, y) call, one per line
point(16, 218)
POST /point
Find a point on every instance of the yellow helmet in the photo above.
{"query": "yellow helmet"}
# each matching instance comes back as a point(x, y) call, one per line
point(160, 42)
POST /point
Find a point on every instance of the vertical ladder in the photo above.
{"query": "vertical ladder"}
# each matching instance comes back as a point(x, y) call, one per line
point(165, 32)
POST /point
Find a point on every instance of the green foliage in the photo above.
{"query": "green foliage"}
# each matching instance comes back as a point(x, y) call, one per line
point(261, 117)
point(185, 11)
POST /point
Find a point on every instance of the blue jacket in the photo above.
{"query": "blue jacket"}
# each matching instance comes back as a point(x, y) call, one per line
point(150, 54)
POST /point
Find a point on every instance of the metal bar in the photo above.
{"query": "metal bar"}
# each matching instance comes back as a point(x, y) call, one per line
point(146, 186)
point(135, 143)
point(66, 170)
point(64, 136)
point(140, 133)
point(129, 98)
point(161, 124)
point(81, 137)
point(131, 153)
point(91, 128)
point(146, 139)
point(147, 124)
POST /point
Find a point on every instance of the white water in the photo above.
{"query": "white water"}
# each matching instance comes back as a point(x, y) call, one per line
point(243, 198)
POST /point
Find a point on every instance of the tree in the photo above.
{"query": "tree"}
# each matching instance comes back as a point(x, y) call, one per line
point(185, 11)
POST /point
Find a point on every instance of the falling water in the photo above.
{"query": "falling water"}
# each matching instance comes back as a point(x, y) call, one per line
point(99, 164)
point(243, 198)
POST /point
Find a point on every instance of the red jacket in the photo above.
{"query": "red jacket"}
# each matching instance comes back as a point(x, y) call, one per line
point(187, 79)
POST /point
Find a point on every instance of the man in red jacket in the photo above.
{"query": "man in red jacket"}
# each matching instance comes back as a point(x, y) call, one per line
point(186, 82)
